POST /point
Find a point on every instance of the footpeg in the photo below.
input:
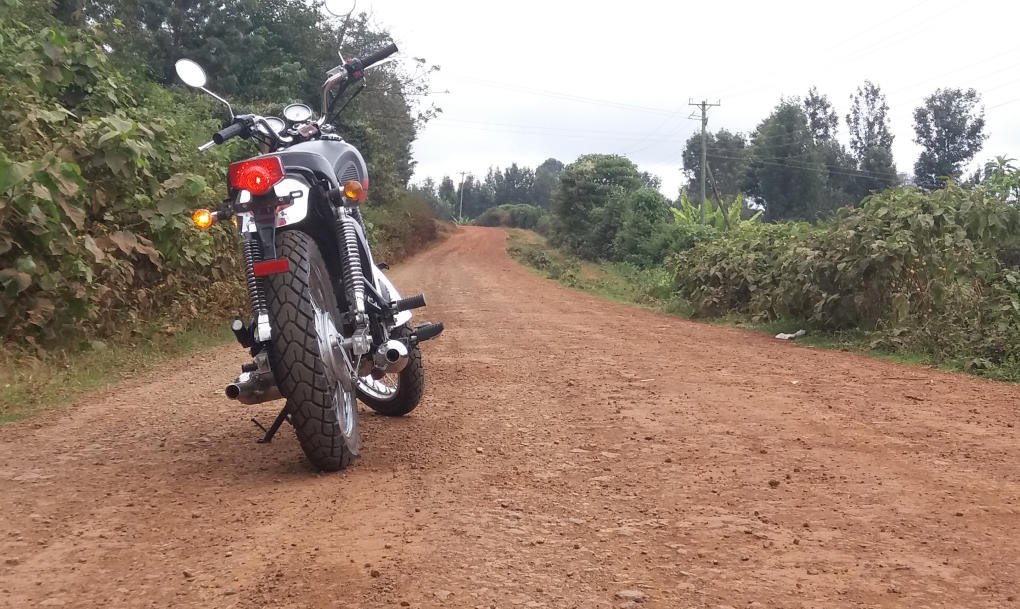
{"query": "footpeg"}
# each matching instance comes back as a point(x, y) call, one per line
point(425, 332)
point(406, 304)
point(241, 333)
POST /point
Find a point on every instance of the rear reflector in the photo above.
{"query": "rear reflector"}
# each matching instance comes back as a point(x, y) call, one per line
point(271, 267)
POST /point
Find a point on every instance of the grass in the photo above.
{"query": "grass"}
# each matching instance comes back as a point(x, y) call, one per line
point(32, 382)
point(651, 289)
point(615, 282)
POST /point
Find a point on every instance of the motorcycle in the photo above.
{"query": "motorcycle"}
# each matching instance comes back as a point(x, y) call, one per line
point(327, 326)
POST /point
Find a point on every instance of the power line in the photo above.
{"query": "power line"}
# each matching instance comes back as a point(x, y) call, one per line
point(1005, 103)
point(855, 55)
point(852, 173)
point(565, 96)
point(629, 134)
point(540, 131)
point(942, 76)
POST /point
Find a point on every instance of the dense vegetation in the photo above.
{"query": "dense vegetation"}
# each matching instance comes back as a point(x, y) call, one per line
point(935, 273)
point(98, 167)
point(907, 270)
point(513, 216)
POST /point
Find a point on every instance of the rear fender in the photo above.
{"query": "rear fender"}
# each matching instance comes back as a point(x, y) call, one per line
point(384, 286)
point(291, 188)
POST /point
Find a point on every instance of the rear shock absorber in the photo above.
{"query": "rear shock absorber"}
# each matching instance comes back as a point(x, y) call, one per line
point(350, 261)
point(256, 290)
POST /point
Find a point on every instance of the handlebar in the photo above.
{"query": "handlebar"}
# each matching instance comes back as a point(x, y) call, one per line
point(379, 55)
point(243, 125)
point(233, 130)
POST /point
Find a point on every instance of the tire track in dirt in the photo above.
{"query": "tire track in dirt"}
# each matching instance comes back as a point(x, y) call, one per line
point(567, 449)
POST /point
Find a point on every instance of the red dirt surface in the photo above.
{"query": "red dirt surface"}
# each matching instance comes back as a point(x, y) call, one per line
point(569, 453)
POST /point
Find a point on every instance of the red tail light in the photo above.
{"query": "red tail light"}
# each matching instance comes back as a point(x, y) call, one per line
point(257, 176)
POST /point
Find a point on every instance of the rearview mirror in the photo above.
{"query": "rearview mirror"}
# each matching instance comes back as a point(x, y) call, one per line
point(191, 73)
point(340, 8)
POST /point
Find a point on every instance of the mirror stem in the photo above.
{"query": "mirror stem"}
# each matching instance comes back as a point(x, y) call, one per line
point(217, 97)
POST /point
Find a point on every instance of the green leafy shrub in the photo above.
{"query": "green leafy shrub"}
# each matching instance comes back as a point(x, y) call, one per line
point(511, 215)
point(935, 272)
point(97, 174)
point(537, 256)
point(400, 228)
point(649, 233)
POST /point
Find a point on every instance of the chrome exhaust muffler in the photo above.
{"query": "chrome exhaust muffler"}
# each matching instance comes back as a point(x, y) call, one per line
point(252, 388)
point(391, 356)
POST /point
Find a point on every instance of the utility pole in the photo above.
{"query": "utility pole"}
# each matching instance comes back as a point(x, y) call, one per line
point(704, 105)
point(461, 213)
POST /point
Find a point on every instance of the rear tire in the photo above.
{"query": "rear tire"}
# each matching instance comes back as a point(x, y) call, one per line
point(316, 404)
point(410, 383)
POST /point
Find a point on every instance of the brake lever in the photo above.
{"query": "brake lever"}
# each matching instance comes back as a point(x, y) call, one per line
point(206, 146)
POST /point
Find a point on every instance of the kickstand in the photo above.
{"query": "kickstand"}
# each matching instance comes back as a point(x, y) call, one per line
point(280, 418)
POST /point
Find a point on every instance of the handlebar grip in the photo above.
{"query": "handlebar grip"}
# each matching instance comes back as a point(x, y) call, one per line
point(228, 132)
point(379, 55)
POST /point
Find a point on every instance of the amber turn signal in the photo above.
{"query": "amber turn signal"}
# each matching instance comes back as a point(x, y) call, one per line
point(203, 218)
point(354, 191)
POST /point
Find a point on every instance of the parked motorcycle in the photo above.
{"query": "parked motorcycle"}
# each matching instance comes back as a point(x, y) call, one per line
point(327, 327)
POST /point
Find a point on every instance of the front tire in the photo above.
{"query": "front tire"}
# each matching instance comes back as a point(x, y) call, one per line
point(303, 310)
point(396, 394)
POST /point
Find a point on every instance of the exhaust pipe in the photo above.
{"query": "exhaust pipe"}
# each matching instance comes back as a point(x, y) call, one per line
point(251, 388)
point(391, 356)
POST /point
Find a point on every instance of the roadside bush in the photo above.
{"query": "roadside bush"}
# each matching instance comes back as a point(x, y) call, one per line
point(537, 256)
point(933, 271)
point(98, 177)
point(649, 233)
point(400, 228)
point(511, 215)
point(97, 174)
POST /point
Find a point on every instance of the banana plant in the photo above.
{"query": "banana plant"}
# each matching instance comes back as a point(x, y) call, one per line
point(720, 216)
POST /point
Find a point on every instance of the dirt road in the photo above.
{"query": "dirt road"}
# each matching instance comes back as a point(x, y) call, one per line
point(569, 453)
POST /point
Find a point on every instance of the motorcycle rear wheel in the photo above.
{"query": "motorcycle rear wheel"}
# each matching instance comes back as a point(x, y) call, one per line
point(395, 395)
point(303, 310)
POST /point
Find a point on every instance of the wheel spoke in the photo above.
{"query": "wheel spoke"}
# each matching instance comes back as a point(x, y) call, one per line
point(380, 389)
point(345, 405)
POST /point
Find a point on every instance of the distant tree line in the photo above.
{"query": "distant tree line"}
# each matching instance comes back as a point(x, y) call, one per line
point(514, 185)
point(794, 165)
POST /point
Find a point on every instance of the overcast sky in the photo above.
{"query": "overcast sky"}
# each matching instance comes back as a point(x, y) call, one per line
point(529, 80)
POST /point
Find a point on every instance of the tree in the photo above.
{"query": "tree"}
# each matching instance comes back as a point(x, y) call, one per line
point(726, 158)
point(427, 192)
point(516, 186)
point(868, 120)
point(644, 215)
point(822, 119)
point(786, 171)
point(588, 202)
point(448, 194)
point(264, 54)
point(478, 196)
point(546, 176)
point(950, 128)
point(871, 140)
point(494, 179)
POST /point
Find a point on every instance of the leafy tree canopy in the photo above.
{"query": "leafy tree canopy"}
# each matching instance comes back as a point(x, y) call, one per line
point(950, 127)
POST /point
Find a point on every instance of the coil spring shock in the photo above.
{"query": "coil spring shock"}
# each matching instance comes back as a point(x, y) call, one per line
point(353, 276)
point(256, 291)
